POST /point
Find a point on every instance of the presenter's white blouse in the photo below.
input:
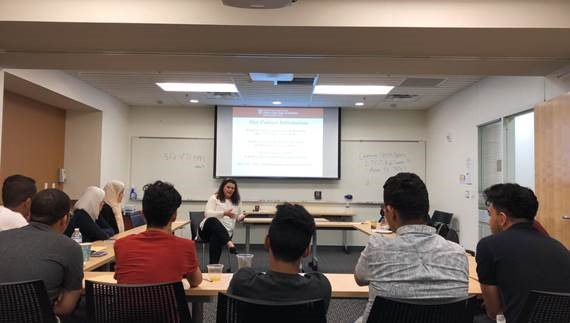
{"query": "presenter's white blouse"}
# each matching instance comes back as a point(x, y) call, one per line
point(215, 209)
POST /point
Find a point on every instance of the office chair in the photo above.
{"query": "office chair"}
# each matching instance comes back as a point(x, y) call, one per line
point(546, 307)
point(234, 309)
point(412, 311)
point(440, 216)
point(195, 219)
point(25, 302)
point(153, 303)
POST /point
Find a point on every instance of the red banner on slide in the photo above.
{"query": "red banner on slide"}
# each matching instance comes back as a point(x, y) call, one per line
point(263, 112)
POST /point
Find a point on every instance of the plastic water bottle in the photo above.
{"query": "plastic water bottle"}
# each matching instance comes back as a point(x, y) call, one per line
point(133, 194)
point(76, 236)
point(501, 319)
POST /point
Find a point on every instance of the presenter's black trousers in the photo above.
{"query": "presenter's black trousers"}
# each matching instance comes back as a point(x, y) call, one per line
point(217, 236)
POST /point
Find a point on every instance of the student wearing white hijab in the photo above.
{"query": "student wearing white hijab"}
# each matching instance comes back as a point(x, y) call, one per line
point(84, 214)
point(111, 211)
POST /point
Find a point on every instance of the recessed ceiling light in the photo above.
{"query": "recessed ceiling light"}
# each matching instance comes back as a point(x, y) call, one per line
point(277, 102)
point(198, 87)
point(194, 101)
point(352, 89)
point(359, 104)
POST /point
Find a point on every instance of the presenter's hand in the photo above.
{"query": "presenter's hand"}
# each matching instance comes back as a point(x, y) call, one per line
point(229, 213)
point(241, 216)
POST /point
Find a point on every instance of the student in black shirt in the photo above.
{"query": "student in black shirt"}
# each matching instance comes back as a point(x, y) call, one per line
point(288, 241)
point(517, 258)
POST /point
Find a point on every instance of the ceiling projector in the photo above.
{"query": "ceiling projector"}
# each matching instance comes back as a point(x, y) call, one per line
point(258, 4)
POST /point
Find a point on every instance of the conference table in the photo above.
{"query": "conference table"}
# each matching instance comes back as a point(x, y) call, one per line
point(342, 285)
point(107, 246)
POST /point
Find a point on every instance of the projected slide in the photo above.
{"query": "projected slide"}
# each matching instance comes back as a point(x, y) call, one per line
point(283, 141)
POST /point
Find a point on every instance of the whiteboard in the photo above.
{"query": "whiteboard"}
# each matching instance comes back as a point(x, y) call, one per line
point(188, 163)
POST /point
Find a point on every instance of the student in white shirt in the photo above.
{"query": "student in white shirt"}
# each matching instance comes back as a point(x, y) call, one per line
point(222, 211)
point(17, 193)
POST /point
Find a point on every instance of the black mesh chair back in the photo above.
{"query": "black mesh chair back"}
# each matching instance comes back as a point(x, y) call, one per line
point(440, 216)
point(543, 307)
point(233, 309)
point(25, 302)
point(157, 303)
point(386, 310)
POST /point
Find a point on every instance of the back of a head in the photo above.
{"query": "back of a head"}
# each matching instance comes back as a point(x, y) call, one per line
point(517, 202)
point(160, 202)
point(112, 190)
point(16, 189)
point(407, 193)
point(48, 206)
point(290, 232)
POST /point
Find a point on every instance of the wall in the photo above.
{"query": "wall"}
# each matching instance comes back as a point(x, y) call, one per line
point(458, 118)
point(33, 139)
point(113, 145)
point(355, 124)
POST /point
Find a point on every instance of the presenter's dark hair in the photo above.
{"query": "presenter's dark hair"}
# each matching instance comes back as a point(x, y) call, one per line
point(407, 193)
point(517, 202)
point(290, 232)
point(49, 206)
point(16, 189)
point(160, 201)
point(220, 194)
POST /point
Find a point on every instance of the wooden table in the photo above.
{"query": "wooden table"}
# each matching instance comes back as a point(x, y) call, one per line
point(107, 245)
point(320, 225)
point(342, 285)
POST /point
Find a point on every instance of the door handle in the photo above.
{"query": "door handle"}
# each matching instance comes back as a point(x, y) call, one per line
point(566, 217)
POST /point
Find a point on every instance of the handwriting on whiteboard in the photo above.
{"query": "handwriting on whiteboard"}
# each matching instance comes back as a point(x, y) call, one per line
point(195, 160)
point(382, 165)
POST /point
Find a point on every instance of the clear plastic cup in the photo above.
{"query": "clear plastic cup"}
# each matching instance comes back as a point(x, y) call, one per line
point(86, 250)
point(215, 271)
point(244, 260)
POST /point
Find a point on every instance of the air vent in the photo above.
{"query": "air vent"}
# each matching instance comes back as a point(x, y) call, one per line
point(310, 81)
point(402, 98)
point(222, 96)
point(422, 82)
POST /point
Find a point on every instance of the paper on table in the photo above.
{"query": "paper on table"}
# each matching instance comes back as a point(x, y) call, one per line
point(97, 248)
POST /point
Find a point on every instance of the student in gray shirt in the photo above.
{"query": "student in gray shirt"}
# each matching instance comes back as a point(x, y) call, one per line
point(40, 251)
point(418, 263)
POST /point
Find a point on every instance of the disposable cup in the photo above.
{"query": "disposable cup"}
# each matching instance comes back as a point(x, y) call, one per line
point(244, 260)
point(215, 271)
point(86, 250)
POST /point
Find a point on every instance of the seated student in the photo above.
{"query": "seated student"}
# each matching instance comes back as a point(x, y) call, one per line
point(156, 255)
point(111, 213)
point(85, 213)
point(416, 264)
point(40, 251)
point(17, 193)
point(517, 258)
point(288, 240)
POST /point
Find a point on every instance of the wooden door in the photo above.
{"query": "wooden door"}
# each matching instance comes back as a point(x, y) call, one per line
point(552, 166)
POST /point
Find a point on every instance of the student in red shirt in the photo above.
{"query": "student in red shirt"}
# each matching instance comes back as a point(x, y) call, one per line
point(156, 255)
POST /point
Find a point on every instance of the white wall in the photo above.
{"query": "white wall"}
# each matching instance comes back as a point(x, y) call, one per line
point(111, 155)
point(355, 124)
point(458, 117)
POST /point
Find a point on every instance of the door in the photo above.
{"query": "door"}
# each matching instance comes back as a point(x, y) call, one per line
point(552, 166)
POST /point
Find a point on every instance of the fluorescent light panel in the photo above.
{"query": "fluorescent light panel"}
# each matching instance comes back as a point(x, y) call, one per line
point(352, 89)
point(198, 87)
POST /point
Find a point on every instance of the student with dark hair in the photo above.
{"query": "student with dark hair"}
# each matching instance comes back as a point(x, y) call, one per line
point(222, 211)
point(41, 251)
point(416, 264)
point(156, 255)
point(517, 258)
point(288, 241)
point(17, 193)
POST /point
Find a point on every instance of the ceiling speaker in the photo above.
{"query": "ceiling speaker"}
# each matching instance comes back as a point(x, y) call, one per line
point(258, 4)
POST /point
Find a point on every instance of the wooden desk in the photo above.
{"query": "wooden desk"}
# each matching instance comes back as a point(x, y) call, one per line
point(342, 285)
point(107, 245)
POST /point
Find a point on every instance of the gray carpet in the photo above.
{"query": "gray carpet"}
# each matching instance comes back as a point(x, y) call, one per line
point(331, 260)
